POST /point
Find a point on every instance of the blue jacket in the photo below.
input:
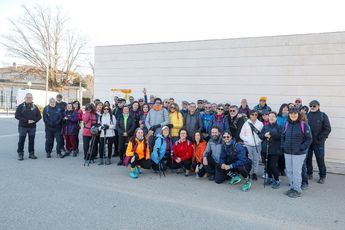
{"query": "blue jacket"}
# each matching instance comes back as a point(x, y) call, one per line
point(52, 117)
point(281, 120)
point(159, 148)
point(206, 121)
point(294, 140)
point(221, 122)
point(320, 126)
point(234, 155)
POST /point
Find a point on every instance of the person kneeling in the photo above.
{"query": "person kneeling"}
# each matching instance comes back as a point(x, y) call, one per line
point(233, 161)
point(138, 153)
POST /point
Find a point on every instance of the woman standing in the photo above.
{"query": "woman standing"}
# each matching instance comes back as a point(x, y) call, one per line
point(70, 129)
point(139, 153)
point(199, 147)
point(89, 119)
point(281, 120)
point(143, 115)
point(271, 136)
point(107, 123)
point(220, 120)
point(176, 120)
point(77, 109)
point(296, 139)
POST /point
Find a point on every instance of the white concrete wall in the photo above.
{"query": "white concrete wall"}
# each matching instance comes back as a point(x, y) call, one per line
point(310, 66)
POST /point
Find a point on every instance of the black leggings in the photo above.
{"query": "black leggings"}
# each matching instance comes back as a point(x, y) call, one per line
point(110, 141)
point(144, 163)
point(273, 169)
point(221, 175)
point(186, 164)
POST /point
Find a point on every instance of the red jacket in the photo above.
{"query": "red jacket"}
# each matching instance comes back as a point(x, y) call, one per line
point(183, 150)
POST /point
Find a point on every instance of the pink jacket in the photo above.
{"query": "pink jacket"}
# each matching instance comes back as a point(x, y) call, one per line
point(88, 119)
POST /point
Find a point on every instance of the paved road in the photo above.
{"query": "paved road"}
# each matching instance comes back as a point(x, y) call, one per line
point(62, 194)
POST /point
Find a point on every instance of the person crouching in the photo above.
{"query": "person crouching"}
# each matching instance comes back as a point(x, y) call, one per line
point(139, 153)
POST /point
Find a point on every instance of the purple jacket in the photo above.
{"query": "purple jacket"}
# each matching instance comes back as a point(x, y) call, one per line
point(70, 126)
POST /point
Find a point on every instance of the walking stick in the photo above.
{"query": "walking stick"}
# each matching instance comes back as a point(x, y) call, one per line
point(266, 160)
point(104, 144)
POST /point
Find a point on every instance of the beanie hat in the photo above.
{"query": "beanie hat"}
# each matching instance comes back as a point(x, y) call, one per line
point(263, 98)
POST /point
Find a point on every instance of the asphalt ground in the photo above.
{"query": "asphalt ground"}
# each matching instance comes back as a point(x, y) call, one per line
point(63, 194)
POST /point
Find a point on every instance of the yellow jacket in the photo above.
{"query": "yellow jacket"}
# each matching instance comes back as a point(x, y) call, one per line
point(140, 149)
point(176, 119)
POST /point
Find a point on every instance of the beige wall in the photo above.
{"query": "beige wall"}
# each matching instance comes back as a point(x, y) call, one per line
point(281, 67)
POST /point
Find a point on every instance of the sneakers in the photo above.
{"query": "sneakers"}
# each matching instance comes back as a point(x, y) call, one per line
point(101, 162)
point(235, 179)
point(294, 194)
point(268, 181)
point(304, 186)
point(32, 156)
point(186, 172)
point(108, 161)
point(59, 155)
point(288, 192)
point(310, 176)
point(321, 180)
point(137, 170)
point(49, 155)
point(254, 176)
point(246, 186)
point(264, 176)
point(211, 177)
point(275, 184)
point(133, 175)
point(20, 156)
point(74, 153)
point(120, 163)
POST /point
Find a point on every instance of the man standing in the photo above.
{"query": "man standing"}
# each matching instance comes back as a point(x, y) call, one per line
point(192, 122)
point(53, 126)
point(28, 115)
point(211, 155)
point(157, 117)
point(320, 129)
point(61, 106)
point(236, 122)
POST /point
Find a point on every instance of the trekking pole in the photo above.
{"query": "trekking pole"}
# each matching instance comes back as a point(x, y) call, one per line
point(88, 155)
point(266, 160)
point(93, 141)
point(104, 144)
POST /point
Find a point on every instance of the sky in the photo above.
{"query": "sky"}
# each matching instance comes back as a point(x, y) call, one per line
point(114, 22)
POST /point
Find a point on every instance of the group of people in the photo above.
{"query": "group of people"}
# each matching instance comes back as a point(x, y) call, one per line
point(218, 141)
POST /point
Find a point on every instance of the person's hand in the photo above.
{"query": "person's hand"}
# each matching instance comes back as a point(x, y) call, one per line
point(125, 134)
point(223, 166)
point(178, 160)
point(205, 162)
point(227, 167)
point(144, 91)
point(31, 121)
point(66, 118)
point(268, 135)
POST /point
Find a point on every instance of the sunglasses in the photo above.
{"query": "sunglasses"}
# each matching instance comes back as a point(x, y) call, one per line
point(254, 114)
point(172, 108)
point(226, 137)
point(232, 111)
point(313, 106)
point(106, 108)
point(297, 101)
point(222, 109)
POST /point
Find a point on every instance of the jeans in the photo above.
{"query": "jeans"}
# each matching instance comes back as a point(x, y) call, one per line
point(22, 136)
point(102, 151)
point(50, 135)
point(319, 151)
point(294, 164)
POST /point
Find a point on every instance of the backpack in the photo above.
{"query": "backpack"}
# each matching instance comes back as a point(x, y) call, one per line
point(152, 143)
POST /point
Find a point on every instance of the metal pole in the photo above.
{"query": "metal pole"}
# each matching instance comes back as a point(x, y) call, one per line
point(47, 83)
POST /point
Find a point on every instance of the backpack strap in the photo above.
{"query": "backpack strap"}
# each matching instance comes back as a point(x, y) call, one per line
point(302, 126)
point(286, 126)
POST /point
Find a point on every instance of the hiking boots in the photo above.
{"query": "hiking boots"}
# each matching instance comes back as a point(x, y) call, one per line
point(254, 176)
point(294, 194)
point(268, 181)
point(246, 186)
point(32, 156)
point(304, 186)
point(20, 156)
point(59, 155)
point(186, 173)
point(310, 176)
point(49, 155)
point(321, 180)
point(108, 161)
point(235, 179)
point(288, 192)
point(74, 153)
point(101, 162)
point(275, 184)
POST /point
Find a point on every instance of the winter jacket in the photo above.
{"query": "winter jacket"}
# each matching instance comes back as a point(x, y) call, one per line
point(183, 150)
point(138, 147)
point(71, 124)
point(89, 119)
point(320, 126)
point(294, 140)
point(260, 108)
point(274, 146)
point(206, 119)
point(248, 136)
point(120, 125)
point(52, 117)
point(281, 120)
point(26, 112)
point(176, 119)
point(235, 125)
point(157, 117)
point(105, 119)
point(246, 110)
point(214, 149)
point(233, 154)
point(199, 151)
point(136, 116)
point(117, 112)
point(220, 121)
point(193, 124)
point(159, 148)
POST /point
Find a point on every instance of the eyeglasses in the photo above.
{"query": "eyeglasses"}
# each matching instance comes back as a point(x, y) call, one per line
point(165, 102)
point(106, 108)
point(297, 101)
point(254, 114)
point(313, 106)
point(222, 109)
point(226, 137)
point(232, 111)
point(172, 108)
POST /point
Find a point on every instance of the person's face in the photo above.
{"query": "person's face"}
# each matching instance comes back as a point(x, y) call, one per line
point(106, 110)
point(52, 103)
point(69, 107)
point(220, 110)
point(131, 99)
point(262, 102)
point(58, 99)
point(243, 102)
point(214, 133)
point(208, 107)
point(75, 105)
point(145, 108)
point(293, 116)
point(265, 117)
point(165, 132)
point(314, 108)
point(272, 118)
point(226, 137)
point(166, 103)
point(192, 108)
point(200, 105)
point(140, 134)
point(185, 106)
point(116, 99)
point(152, 98)
point(253, 117)
point(298, 103)
point(197, 137)
point(99, 107)
point(304, 111)
point(233, 112)
point(141, 103)
point(214, 107)
point(125, 110)
point(158, 103)
point(183, 134)
point(172, 108)
point(135, 106)
point(285, 110)
point(171, 101)
point(291, 106)
point(28, 99)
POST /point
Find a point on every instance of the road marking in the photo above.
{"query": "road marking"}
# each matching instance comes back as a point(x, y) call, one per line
point(16, 134)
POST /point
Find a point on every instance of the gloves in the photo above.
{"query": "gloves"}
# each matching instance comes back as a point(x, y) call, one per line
point(154, 127)
point(170, 126)
point(105, 126)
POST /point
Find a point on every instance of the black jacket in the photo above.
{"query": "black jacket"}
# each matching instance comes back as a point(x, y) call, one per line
point(52, 117)
point(294, 140)
point(25, 112)
point(235, 125)
point(274, 146)
point(130, 127)
point(320, 126)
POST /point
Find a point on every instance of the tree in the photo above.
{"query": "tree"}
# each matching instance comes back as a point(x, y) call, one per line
point(44, 39)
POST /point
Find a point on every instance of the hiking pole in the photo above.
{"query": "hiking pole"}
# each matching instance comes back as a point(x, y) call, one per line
point(266, 160)
point(88, 155)
point(104, 144)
